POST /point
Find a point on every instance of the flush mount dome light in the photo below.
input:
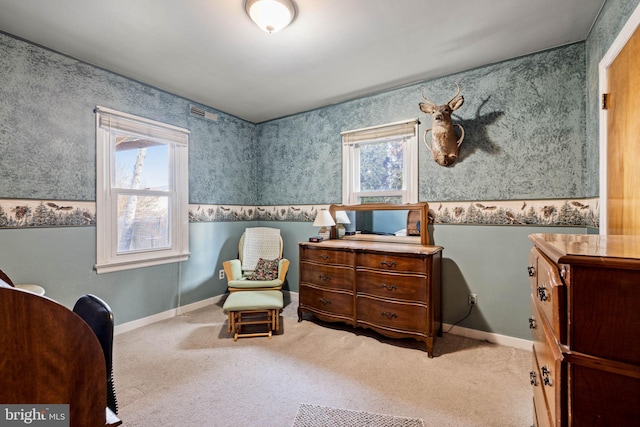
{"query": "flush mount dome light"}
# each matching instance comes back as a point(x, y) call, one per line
point(271, 15)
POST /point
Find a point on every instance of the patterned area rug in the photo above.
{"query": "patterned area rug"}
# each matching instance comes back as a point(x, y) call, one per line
point(323, 416)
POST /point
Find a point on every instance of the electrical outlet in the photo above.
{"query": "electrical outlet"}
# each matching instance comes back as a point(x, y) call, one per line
point(221, 274)
point(473, 299)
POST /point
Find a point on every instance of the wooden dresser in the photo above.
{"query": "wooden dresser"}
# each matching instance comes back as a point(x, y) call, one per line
point(391, 288)
point(585, 322)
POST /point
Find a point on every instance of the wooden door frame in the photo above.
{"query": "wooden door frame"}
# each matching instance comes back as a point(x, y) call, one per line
point(616, 47)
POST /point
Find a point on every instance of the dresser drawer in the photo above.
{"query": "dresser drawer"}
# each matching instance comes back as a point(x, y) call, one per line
point(398, 316)
point(334, 277)
point(549, 292)
point(549, 359)
point(541, 413)
point(410, 287)
point(332, 302)
point(390, 262)
point(326, 256)
point(603, 398)
point(605, 313)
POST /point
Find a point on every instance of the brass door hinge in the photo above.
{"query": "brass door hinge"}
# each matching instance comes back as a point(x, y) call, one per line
point(605, 98)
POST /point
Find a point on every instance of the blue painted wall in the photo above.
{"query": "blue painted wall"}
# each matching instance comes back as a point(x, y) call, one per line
point(62, 259)
point(531, 133)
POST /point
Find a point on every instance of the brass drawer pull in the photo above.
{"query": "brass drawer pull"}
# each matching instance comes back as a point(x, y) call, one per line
point(324, 277)
point(532, 378)
point(325, 301)
point(532, 271)
point(389, 264)
point(324, 257)
point(546, 374)
point(388, 287)
point(532, 322)
point(542, 293)
point(564, 271)
point(388, 315)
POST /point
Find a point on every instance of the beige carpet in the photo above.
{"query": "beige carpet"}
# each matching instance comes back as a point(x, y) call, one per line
point(186, 371)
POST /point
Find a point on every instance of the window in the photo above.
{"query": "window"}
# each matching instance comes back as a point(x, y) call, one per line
point(142, 192)
point(380, 164)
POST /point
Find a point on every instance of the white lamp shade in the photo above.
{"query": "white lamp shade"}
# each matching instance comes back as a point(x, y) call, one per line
point(270, 15)
point(324, 219)
point(342, 217)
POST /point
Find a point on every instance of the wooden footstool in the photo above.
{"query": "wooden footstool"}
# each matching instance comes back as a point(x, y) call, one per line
point(253, 308)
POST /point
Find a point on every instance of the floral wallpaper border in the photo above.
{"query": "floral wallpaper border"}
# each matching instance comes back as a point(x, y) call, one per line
point(566, 212)
point(209, 213)
point(20, 213)
point(572, 212)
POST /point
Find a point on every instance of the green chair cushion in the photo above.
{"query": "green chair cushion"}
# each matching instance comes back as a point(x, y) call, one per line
point(252, 284)
point(253, 300)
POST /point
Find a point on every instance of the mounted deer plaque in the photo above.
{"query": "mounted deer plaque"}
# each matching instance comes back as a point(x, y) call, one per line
point(445, 144)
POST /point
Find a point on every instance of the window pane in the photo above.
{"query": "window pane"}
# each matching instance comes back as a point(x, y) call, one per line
point(143, 222)
point(141, 163)
point(381, 166)
point(381, 199)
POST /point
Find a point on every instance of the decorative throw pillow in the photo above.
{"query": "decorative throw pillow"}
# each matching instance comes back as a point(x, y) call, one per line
point(265, 270)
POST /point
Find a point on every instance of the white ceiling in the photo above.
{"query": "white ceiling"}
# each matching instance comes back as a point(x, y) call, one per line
point(209, 51)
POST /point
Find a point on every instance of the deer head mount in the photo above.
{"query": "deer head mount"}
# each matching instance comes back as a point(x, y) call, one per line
point(445, 144)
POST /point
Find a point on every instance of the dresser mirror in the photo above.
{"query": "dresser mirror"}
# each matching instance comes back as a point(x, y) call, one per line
point(383, 222)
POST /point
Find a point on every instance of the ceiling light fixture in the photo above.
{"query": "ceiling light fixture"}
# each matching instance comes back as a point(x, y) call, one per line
point(271, 15)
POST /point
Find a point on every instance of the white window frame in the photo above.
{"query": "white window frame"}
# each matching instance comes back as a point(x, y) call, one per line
point(108, 258)
point(353, 139)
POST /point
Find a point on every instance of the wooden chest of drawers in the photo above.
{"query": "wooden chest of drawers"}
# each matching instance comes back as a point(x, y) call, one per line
point(585, 320)
point(392, 288)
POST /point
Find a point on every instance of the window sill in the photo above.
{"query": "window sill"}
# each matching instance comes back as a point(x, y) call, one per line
point(130, 265)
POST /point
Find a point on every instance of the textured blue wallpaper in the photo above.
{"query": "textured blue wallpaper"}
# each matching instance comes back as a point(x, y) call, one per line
point(525, 133)
point(222, 161)
point(531, 130)
point(47, 129)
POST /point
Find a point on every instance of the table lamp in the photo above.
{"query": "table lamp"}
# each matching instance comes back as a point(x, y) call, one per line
point(341, 218)
point(324, 220)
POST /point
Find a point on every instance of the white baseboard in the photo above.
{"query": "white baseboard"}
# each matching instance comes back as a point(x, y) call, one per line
point(138, 323)
point(504, 340)
point(457, 330)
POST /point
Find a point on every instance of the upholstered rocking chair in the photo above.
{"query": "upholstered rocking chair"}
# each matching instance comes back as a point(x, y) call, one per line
point(260, 265)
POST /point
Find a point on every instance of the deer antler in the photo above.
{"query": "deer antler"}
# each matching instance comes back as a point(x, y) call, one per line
point(459, 141)
point(427, 99)
point(456, 95)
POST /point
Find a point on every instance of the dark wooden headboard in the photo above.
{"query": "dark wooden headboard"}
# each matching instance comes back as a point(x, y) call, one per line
point(49, 355)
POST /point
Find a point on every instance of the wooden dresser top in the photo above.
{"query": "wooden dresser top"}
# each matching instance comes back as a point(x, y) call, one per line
point(591, 249)
point(375, 246)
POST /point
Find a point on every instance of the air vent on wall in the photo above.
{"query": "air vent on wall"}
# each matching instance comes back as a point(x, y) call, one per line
point(199, 112)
